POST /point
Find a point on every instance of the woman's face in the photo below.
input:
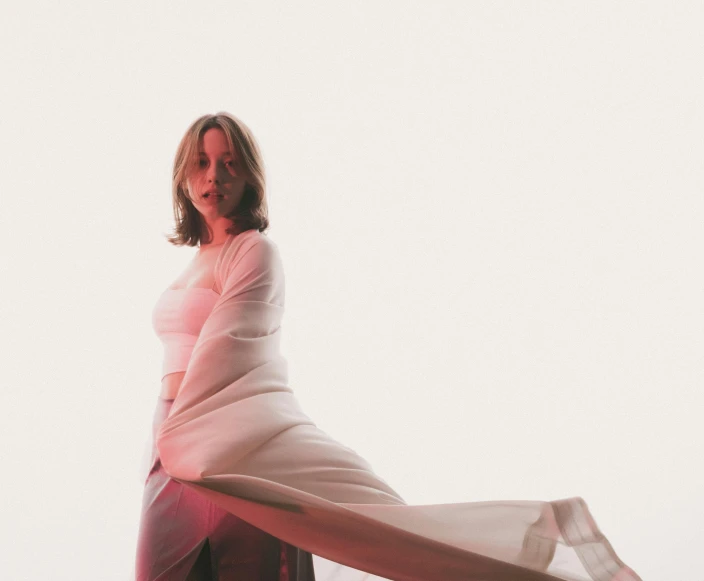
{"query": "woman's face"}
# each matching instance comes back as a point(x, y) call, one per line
point(217, 180)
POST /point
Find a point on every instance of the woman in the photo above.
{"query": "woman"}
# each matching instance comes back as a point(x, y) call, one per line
point(182, 534)
point(230, 431)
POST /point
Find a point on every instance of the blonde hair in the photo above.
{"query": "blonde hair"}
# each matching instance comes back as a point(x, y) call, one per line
point(252, 211)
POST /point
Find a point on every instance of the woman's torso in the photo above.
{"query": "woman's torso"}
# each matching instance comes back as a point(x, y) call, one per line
point(200, 273)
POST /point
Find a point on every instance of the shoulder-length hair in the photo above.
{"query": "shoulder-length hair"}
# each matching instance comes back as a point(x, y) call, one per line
point(252, 211)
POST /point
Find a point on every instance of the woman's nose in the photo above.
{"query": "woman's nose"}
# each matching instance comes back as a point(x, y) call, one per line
point(212, 173)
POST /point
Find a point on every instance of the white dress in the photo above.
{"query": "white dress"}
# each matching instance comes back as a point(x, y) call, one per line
point(237, 434)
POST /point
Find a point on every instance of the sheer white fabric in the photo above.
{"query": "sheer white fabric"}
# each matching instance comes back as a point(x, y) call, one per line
point(237, 434)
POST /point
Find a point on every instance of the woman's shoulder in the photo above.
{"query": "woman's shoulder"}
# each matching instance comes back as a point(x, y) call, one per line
point(244, 241)
point(248, 256)
point(247, 249)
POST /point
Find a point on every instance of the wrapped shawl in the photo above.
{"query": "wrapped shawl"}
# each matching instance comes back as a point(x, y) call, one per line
point(237, 435)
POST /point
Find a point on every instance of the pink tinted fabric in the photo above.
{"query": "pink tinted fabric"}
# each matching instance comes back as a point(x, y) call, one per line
point(237, 435)
point(177, 318)
point(183, 532)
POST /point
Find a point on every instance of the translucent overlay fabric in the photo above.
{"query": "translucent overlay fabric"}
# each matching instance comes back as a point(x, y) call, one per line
point(237, 435)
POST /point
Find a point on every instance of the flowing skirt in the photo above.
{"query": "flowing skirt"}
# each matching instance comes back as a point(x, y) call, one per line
point(184, 536)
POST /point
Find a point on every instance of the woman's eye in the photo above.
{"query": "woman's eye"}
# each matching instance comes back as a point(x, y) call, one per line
point(204, 162)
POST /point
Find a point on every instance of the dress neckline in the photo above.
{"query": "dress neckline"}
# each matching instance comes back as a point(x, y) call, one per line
point(217, 260)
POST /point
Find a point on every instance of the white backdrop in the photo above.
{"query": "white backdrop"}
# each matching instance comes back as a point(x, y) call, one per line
point(505, 195)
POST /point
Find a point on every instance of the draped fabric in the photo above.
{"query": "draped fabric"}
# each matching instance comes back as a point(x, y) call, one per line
point(237, 435)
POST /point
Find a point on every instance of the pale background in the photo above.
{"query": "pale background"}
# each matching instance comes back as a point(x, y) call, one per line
point(490, 216)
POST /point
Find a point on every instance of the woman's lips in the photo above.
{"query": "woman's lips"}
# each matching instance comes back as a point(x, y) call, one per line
point(212, 199)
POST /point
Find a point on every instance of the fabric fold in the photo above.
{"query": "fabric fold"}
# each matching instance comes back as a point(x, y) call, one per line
point(237, 434)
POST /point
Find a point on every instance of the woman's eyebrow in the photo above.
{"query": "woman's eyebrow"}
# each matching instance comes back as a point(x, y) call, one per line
point(226, 154)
